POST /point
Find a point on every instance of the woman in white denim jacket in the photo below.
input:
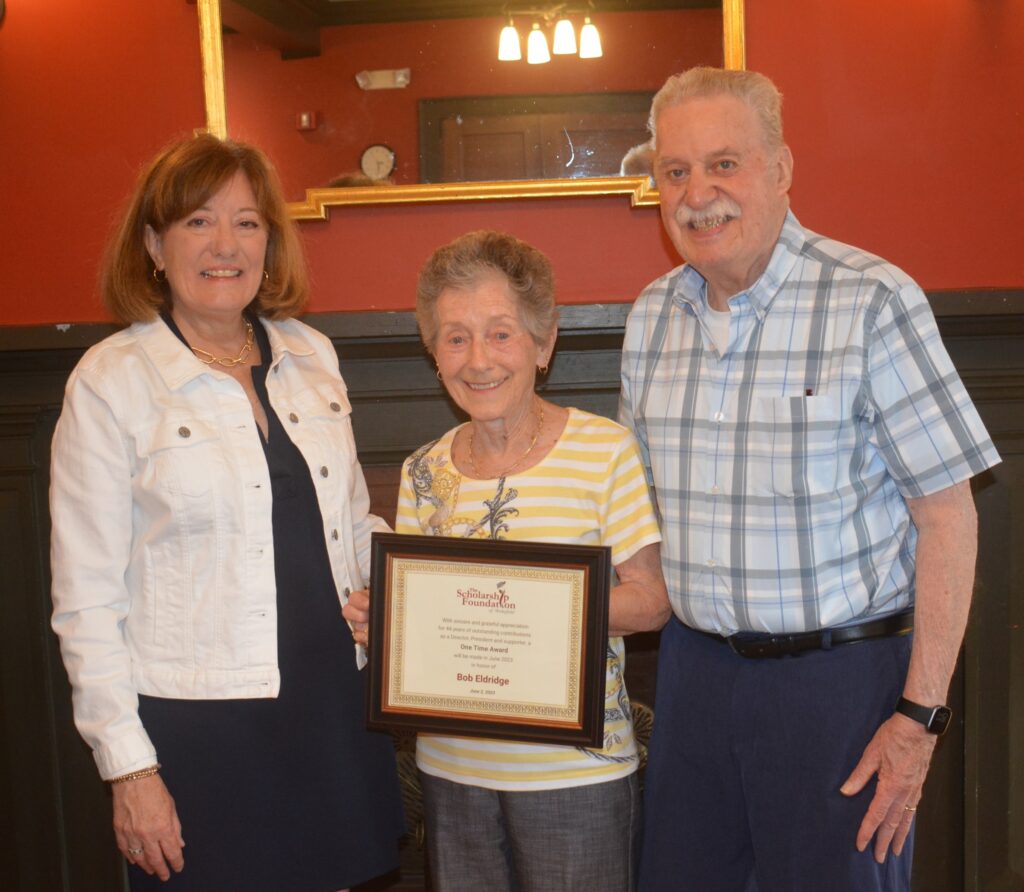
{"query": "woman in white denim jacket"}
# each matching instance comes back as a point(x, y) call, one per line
point(210, 518)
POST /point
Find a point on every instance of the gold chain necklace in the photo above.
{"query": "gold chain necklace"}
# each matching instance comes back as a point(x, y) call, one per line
point(229, 361)
point(518, 461)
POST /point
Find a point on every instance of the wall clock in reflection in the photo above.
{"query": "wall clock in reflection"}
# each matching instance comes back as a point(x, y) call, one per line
point(377, 161)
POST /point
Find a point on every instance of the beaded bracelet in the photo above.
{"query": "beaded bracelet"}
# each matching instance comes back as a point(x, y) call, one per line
point(135, 775)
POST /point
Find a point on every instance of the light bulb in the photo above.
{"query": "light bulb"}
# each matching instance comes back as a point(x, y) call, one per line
point(537, 47)
point(509, 47)
point(564, 43)
point(590, 41)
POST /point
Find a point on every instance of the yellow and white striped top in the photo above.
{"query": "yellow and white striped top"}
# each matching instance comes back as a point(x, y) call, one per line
point(589, 490)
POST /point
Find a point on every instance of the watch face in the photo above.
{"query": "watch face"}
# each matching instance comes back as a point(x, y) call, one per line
point(940, 719)
point(377, 161)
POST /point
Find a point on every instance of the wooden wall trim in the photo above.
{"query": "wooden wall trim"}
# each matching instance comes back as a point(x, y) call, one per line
point(398, 403)
point(969, 311)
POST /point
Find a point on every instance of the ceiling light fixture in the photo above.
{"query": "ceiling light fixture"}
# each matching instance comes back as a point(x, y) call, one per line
point(556, 18)
point(510, 48)
point(564, 43)
point(537, 47)
point(590, 41)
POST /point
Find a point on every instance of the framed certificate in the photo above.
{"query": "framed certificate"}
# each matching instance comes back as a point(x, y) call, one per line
point(484, 638)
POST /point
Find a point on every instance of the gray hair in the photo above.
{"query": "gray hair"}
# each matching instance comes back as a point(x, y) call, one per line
point(756, 90)
point(465, 262)
point(638, 161)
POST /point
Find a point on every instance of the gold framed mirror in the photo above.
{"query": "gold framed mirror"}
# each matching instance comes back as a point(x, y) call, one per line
point(318, 200)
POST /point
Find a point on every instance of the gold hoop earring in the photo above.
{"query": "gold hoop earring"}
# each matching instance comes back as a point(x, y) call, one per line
point(542, 370)
point(159, 276)
point(266, 276)
point(439, 378)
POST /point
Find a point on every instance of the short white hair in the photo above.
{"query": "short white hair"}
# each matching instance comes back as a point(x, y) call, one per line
point(756, 90)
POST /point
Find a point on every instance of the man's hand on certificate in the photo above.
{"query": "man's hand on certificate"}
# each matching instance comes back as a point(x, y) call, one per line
point(357, 614)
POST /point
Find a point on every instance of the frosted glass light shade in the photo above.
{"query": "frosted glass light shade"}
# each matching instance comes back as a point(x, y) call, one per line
point(590, 41)
point(509, 47)
point(537, 47)
point(564, 43)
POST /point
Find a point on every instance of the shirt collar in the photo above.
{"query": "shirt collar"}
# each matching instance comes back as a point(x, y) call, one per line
point(691, 287)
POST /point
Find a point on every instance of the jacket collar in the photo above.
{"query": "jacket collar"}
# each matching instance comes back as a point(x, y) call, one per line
point(286, 339)
point(178, 366)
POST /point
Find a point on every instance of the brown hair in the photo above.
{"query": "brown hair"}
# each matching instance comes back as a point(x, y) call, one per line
point(756, 90)
point(179, 180)
point(476, 255)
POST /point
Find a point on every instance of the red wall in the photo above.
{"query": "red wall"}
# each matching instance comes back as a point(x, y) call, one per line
point(907, 124)
point(265, 93)
point(603, 251)
point(905, 120)
point(88, 91)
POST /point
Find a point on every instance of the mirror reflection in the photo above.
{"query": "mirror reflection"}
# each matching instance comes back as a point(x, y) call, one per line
point(389, 91)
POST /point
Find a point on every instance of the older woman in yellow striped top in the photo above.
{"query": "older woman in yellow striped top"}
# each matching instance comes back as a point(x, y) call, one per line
point(523, 816)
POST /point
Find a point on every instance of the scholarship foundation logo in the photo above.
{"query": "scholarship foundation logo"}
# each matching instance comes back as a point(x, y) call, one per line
point(496, 600)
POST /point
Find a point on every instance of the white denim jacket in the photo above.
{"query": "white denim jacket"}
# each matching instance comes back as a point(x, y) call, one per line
point(162, 548)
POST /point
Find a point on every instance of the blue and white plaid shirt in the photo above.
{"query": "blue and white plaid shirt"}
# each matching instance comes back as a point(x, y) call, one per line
point(781, 467)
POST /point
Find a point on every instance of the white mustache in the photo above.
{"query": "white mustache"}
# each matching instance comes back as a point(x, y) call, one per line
point(718, 209)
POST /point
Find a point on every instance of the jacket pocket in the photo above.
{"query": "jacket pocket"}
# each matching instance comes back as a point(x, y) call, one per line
point(325, 402)
point(159, 619)
point(179, 456)
point(324, 434)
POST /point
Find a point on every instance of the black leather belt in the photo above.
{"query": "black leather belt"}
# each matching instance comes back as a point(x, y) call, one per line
point(757, 646)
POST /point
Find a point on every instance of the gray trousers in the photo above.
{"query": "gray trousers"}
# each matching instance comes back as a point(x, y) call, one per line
point(576, 839)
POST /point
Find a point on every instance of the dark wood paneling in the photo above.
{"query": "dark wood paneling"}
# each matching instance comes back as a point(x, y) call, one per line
point(55, 813)
point(28, 783)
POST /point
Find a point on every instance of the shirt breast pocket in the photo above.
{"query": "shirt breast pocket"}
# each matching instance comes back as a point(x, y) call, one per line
point(793, 445)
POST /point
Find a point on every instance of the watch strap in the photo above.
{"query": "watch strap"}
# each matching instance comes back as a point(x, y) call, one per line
point(934, 718)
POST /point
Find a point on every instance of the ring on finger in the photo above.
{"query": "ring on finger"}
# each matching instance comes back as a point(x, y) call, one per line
point(910, 808)
point(136, 852)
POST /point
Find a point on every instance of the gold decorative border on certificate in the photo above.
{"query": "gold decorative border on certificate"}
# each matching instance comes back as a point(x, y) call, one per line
point(398, 700)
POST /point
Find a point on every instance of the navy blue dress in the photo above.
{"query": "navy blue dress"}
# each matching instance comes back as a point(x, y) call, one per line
point(290, 794)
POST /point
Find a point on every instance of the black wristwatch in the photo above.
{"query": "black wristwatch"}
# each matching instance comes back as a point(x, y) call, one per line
point(935, 719)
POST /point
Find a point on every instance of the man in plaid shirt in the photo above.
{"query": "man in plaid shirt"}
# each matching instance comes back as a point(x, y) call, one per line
point(810, 448)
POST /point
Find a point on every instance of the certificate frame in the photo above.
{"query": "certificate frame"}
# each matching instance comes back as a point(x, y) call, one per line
point(488, 638)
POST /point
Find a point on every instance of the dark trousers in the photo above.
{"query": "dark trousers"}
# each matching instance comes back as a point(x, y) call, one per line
point(746, 761)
